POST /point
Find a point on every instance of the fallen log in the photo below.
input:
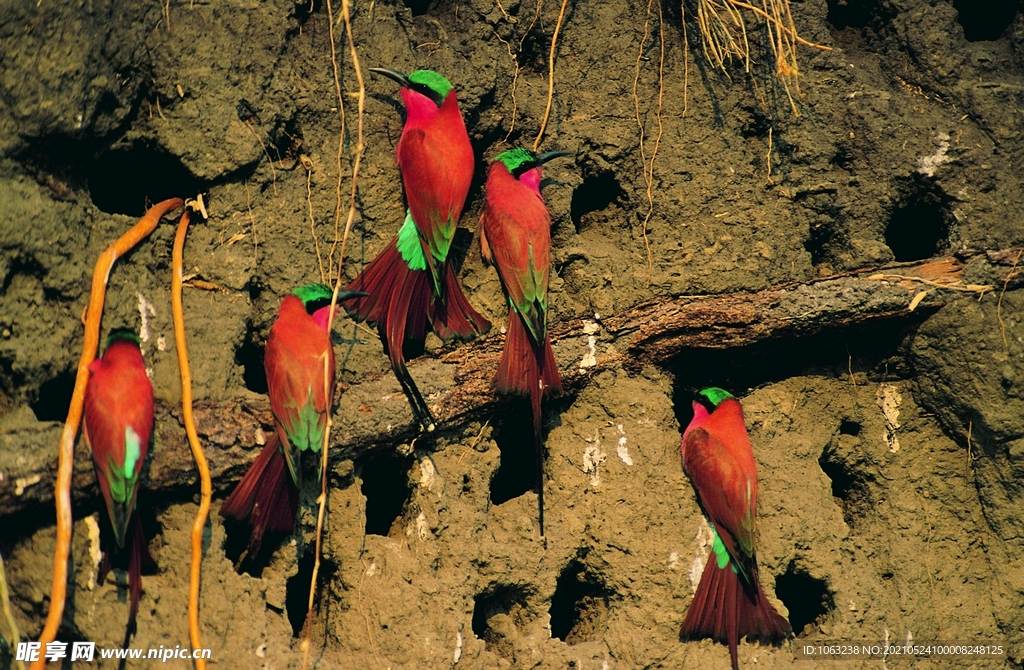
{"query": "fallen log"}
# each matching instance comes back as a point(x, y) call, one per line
point(373, 414)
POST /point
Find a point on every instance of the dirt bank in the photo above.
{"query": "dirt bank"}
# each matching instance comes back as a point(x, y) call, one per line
point(906, 145)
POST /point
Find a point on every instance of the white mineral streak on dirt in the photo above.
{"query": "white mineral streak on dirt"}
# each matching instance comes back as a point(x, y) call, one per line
point(95, 553)
point(621, 449)
point(889, 399)
point(593, 457)
point(702, 541)
point(428, 474)
point(590, 329)
point(926, 164)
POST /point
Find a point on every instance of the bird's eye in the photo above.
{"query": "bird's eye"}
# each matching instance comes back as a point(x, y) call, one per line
point(314, 306)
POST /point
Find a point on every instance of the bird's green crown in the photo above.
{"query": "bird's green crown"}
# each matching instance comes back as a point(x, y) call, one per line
point(429, 79)
point(313, 296)
point(714, 395)
point(123, 335)
point(517, 160)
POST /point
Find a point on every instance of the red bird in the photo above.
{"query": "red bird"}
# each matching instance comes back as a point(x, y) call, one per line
point(411, 282)
point(515, 237)
point(717, 456)
point(297, 358)
point(118, 425)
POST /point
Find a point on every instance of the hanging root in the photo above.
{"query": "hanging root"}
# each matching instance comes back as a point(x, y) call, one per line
point(724, 37)
point(515, 81)
point(515, 61)
point(999, 303)
point(307, 164)
point(341, 140)
point(66, 452)
point(648, 168)
point(551, 76)
point(346, 16)
point(206, 488)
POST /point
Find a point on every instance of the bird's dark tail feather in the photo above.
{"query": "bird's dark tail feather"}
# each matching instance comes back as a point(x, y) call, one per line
point(139, 558)
point(136, 553)
point(726, 610)
point(529, 370)
point(398, 301)
point(266, 498)
point(452, 317)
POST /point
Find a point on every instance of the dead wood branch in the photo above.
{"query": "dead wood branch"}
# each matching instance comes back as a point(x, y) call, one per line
point(373, 413)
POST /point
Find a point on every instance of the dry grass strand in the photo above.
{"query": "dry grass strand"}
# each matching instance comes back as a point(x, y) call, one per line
point(346, 15)
point(999, 303)
point(724, 37)
point(648, 167)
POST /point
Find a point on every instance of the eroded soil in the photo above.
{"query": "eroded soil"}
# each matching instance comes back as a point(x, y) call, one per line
point(907, 145)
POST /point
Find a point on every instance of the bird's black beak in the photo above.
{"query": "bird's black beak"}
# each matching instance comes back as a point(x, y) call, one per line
point(548, 155)
point(393, 74)
point(692, 392)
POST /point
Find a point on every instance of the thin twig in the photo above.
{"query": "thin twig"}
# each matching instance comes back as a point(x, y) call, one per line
point(686, 62)
point(515, 81)
point(504, 13)
point(648, 170)
point(205, 485)
point(536, 15)
point(270, 161)
point(308, 164)
point(657, 140)
point(66, 452)
point(551, 76)
point(341, 134)
point(999, 303)
point(252, 221)
point(346, 13)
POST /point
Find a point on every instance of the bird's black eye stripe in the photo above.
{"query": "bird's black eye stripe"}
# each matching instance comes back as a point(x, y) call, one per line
point(524, 168)
point(706, 402)
point(315, 305)
point(427, 91)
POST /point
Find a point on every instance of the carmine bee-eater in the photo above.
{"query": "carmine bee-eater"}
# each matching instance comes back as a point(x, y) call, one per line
point(118, 424)
point(411, 282)
point(515, 237)
point(299, 362)
point(729, 603)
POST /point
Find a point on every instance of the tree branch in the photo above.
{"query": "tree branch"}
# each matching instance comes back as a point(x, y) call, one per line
point(373, 413)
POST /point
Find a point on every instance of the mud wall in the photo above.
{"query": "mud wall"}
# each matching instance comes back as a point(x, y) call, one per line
point(905, 144)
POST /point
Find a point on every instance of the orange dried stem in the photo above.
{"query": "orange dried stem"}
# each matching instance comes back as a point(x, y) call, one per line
point(206, 487)
point(66, 452)
point(551, 76)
